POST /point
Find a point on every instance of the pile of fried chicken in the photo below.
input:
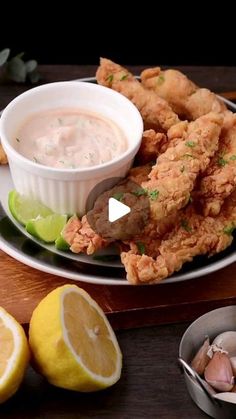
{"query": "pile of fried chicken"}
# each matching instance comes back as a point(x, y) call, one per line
point(191, 137)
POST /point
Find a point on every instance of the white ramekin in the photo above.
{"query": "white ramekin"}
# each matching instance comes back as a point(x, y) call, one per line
point(67, 190)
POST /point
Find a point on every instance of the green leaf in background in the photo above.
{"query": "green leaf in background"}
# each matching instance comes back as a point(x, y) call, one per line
point(16, 70)
point(4, 54)
point(31, 65)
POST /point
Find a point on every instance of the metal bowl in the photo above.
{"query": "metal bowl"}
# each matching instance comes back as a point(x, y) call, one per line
point(211, 324)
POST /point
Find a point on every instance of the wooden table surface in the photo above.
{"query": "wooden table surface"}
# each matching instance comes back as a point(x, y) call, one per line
point(151, 383)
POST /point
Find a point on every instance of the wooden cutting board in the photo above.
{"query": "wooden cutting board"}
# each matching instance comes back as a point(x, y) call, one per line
point(23, 287)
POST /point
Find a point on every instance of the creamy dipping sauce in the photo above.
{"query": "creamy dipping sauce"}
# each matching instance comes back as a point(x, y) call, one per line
point(70, 138)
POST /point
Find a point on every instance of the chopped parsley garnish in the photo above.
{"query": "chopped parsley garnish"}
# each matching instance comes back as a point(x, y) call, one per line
point(182, 169)
point(188, 155)
point(61, 161)
point(35, 160)
point(106, 258)
point(190, 144)
point(124, 77)
point(141, 248)
point(222, 162)
point(190, 200)
point(186, 226)
point(118, 196)
point(140, 192)
point(153, 194)
point(110, 78)
point(229, 230)
point(17, 139)
point(60, 121)
point(160, 79)
point(233, 157)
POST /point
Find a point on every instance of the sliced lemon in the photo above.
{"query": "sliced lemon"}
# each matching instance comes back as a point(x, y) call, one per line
point(14, 355)
point(72, 342)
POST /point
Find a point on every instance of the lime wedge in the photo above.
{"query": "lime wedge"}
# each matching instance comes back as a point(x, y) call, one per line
point(61, 244)
point(23, 209)
point(47, 229)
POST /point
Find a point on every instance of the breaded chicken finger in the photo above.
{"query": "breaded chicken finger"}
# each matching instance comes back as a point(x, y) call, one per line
point(156, 112)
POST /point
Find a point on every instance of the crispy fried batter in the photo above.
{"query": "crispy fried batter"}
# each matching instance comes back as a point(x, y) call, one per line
point(156, 112)
point(174, 175)
point(194, 235)
point(219, 180)
point(185, 98)
point(153, 143)
point(3, 157)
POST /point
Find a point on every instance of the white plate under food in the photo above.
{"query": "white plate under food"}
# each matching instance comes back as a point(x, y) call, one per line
point(16, 242)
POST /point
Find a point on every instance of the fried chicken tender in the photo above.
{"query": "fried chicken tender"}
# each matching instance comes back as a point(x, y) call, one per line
point(153, 143)
point(173, 177)
point(3, 157)
point(186, 99)
point(219, 180)
point(156, 112)
point(84, 239)
point(194, 235)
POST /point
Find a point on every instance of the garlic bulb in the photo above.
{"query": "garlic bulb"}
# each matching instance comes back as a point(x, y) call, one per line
point(227, 341)
point(227, 397)
point(201, 358)
point(218, 372)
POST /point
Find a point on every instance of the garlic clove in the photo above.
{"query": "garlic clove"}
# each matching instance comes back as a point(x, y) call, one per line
point(227, 397)
point(201, 358)
point(233, 364)
point(226, 341)
point(218, 372)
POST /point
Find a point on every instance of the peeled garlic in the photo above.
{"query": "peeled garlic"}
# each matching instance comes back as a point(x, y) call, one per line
point(227, 341)
point(201, 358)
point(233, 364)
point(218, 372)
point(227, 397)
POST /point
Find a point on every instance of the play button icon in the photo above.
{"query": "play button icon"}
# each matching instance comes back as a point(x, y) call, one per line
point(119, 213)
point(116, 210)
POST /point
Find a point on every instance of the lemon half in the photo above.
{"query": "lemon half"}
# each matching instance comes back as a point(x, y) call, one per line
point(72, 341)
point(14, 355)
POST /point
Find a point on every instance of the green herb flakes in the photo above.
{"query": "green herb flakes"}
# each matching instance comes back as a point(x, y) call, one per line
point(154, 194)
point(222, 162)
point(190, 144)
point(124, 77)
point(185, 225)
point(118, 196)
point(141, 248)
point(160, 79)
point(110, 78)
point(229, 230)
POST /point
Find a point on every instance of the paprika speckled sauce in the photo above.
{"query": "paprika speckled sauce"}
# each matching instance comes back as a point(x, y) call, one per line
point(70, 139)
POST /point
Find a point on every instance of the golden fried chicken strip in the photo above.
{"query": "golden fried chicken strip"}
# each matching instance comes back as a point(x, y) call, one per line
point(186, 99)
point(153, 143)
point(3, 157)
point(156, 112)
point(173, 177)
point(86, 240)
point(219, 180)
point(194, 235)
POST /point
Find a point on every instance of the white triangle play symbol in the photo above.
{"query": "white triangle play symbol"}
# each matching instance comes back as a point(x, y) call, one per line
point(116, 210)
